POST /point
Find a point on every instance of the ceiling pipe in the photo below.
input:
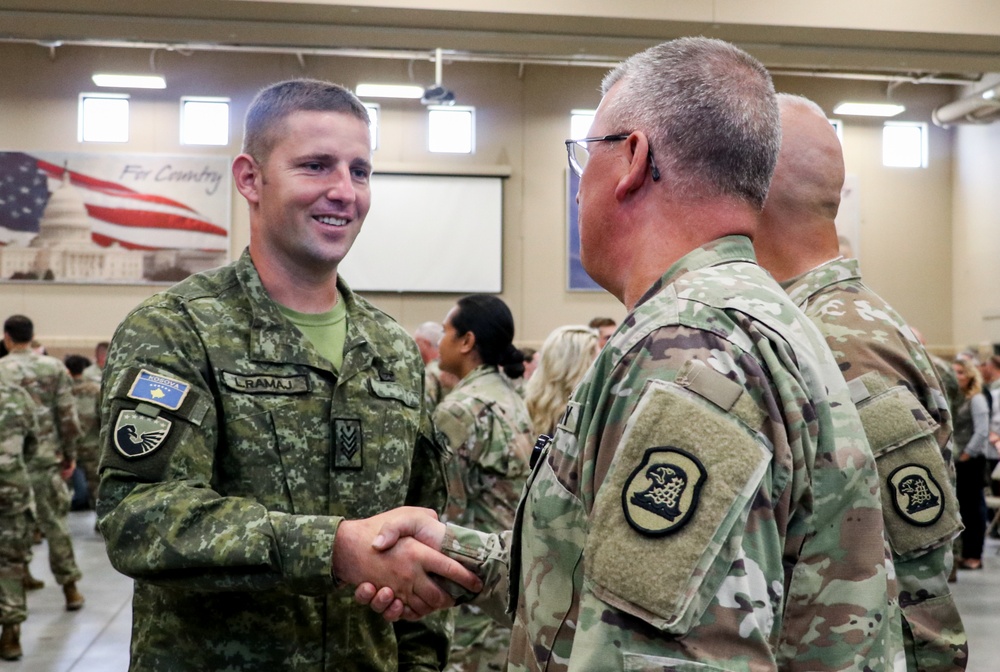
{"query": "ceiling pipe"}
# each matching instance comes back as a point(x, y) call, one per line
point(982, 107)
point(434, 56)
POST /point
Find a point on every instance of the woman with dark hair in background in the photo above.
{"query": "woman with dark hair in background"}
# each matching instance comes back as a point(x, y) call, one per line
point(488, 435)
point(971, 428)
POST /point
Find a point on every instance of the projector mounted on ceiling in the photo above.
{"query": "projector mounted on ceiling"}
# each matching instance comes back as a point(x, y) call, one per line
point(438, 95)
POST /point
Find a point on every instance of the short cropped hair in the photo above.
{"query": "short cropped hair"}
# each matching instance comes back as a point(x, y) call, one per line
point(19, 328)
point(273, 104)
point(709, 111)
point(76, 364)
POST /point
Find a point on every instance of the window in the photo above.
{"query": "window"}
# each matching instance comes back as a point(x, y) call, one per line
point(580, 122)
point(904, 144)
point(204, 121)
point(103, 117)
point(451, 129)
point(373, 112)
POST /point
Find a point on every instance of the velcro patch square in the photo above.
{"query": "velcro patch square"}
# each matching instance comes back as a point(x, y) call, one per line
point(348, 444)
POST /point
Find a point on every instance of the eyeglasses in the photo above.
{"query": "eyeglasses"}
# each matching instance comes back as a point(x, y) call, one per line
point(579, 153)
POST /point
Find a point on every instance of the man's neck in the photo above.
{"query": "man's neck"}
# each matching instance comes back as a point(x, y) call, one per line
point(670, 235)
point(19, 347)
point(299, 290)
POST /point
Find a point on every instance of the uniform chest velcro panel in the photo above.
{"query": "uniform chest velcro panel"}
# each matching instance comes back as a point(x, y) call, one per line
point(666, 569)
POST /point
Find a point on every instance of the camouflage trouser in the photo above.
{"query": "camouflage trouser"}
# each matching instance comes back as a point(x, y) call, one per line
point(52, 508)
point(87, 458)
point(480, 644)
point(14, 545)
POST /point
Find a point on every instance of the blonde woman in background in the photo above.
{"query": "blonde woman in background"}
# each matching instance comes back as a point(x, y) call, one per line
point(971, 423)
point(565, 357)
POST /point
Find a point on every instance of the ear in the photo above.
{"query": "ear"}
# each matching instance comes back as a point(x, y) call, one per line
point(638, 169)
point(467, 342)
point(247, 176)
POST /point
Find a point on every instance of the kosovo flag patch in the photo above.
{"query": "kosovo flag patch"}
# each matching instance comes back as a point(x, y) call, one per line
point(160, 390)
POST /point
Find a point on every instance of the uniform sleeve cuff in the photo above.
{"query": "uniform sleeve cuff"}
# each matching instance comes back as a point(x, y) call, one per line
point(305, 550)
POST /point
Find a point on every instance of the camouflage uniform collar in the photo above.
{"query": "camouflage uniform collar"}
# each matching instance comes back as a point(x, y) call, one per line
point(478, 372)
point(802, 288)
point(720, 251)
point(270, 341)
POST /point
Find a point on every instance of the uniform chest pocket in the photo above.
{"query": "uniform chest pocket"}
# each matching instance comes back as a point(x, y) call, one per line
point(549, 547)
point(374, 426)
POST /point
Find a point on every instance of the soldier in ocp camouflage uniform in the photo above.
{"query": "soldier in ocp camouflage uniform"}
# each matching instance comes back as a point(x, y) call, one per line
point(252, 413)
point(18, 443)
point(903, 408)
point(709, 501)
point(487, 432)
point(47, 381)
point(87, 394)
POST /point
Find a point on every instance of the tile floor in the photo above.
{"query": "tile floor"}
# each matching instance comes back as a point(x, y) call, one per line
point(96, 638)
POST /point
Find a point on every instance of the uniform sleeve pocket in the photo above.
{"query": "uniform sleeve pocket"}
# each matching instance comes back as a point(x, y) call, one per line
point(668, 521)
point(918, 503)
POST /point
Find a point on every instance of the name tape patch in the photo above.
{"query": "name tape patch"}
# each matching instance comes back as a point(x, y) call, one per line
point(160, 390)
point(266, 384)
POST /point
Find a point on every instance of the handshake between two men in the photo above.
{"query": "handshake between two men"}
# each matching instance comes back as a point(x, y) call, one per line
point(394, 559)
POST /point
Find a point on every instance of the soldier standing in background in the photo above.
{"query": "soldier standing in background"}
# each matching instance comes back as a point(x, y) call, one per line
point(47, 381)
point(94, 371)
point(905, 412)
point(18, 442)
point(87, 394)
point(709, 498)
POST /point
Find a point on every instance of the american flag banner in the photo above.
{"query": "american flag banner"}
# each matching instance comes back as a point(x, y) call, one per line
point(152, 204)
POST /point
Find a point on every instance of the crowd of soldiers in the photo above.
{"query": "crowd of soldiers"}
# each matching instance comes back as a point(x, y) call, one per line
point(49, 428)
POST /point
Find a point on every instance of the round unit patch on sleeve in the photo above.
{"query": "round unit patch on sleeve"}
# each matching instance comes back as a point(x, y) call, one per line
point(661, 495)
point(137, 435)
point(916, 496)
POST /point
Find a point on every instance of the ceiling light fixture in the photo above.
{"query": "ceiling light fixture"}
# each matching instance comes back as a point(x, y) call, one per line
point(129, 81)
point(389, 91)
point(869, 109)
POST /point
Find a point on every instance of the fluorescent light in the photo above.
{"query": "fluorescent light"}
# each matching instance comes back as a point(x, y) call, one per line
point(869, 109)
point(130, 81)
point(389, 91)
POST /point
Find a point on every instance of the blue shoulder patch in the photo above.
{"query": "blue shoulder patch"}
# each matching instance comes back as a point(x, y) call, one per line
point(160, 390)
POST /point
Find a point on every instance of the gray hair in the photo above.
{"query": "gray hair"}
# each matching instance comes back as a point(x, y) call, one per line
point(800, 101)
point(273, 104)
point(709, 111)
point(430, 331)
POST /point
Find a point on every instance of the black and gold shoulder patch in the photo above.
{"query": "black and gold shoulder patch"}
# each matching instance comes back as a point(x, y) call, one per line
point(916, 496)
point(138, 434)
point(661, 495)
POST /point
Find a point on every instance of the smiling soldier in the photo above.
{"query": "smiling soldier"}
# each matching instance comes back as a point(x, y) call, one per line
point(255, 413)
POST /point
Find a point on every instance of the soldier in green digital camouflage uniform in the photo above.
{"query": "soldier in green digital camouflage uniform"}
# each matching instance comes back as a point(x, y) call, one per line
point(18, 443)
point(709, 501)
point(47, 381)
point(254, 414)
point(87, 394)
point(893, 382)
point(487, 432)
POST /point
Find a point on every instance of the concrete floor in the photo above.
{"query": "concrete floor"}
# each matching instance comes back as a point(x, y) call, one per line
point(96, 638)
